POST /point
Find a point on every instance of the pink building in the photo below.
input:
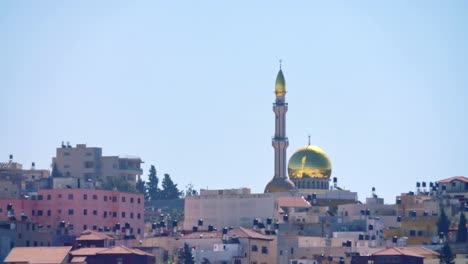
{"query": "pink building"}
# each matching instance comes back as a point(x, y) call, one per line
point(85, 209)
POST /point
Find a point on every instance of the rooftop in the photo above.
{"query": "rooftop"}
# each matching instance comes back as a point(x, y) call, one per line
point(38, 255)
point(407, 251)
point(460, 178)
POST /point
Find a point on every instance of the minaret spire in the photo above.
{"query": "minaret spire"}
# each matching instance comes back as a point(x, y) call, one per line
point(280, 181)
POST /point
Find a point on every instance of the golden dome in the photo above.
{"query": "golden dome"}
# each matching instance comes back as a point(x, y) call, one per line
point(280, 86)
point(309, 162)
point(280, 185)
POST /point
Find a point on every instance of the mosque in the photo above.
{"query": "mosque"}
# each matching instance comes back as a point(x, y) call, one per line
point(309, 168)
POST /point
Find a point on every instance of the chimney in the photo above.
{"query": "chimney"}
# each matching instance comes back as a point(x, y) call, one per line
point(373, 192)
point(269, 223)
point(335, 182)
point(418, 188)
point(200, 224)
point(127, 229)
point(117, 229)
point(33, 166)
point(11, 157)
point(225, 231)
point(424, 187)
point(255, 224)
point(174, 227)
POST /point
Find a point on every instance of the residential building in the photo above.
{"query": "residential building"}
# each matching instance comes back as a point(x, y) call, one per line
point(80, 209)
point(90, 167)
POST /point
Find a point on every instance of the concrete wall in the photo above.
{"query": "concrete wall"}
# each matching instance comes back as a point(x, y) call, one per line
point(228, 210)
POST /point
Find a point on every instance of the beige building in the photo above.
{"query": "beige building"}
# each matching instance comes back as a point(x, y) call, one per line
point(223, 208)
point(91, 168)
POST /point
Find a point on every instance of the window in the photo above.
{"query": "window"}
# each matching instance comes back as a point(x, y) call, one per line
point(66, 153)
point(70, 196)
point(114, 214)
point(94, 197)
point(105, 214)
point(123, 199)
point(85, 211)
point(40, 197)
point(88, 164)
point(19, 236)
point(412, 233)
point(114, 199)
point(89, 154)
point(59, 211)
point(33, 213)
point(35, 243)
point(49, 213)
point(131, 199)
point(138, 231)
point(264, 250)
point(66, 166)
point(131, 215)
point(105, 198)
point(138, 200)
point(85, 227)
point(420, 233)
point(39, 212)
point(94, 227)
point(27, 243)
point(49, 197)
point(60, 195)
point(71, 212)
point(94, 212)
point(254, 248)
point(138, 215)
point(123, 214)
point(85, 197)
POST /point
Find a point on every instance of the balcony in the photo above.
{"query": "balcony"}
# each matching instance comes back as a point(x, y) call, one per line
point(129, 168)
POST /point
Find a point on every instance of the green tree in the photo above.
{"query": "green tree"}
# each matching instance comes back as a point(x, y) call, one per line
point(55, 172)
point(185, 256)
point(140, 185)
point(443, 223)
point(462, 234)
point(169, 189)
point(446, 256)
point(153, 192)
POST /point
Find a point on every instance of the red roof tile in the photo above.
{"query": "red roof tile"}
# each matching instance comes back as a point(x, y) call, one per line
point(38, 255)
point(293, 202)
point(239, 232)
point(460, 178)
point(92, 235)
point(407, 251)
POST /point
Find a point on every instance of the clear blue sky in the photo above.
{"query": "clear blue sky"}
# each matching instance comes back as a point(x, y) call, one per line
point(381, 86)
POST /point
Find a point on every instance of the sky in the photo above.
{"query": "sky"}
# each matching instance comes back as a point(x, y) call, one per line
point(381, 86)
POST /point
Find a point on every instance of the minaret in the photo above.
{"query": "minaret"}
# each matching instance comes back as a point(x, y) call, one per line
point(280, 181)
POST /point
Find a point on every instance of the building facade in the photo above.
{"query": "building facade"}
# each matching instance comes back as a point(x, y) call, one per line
point(79, 209)
point(91, 168)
